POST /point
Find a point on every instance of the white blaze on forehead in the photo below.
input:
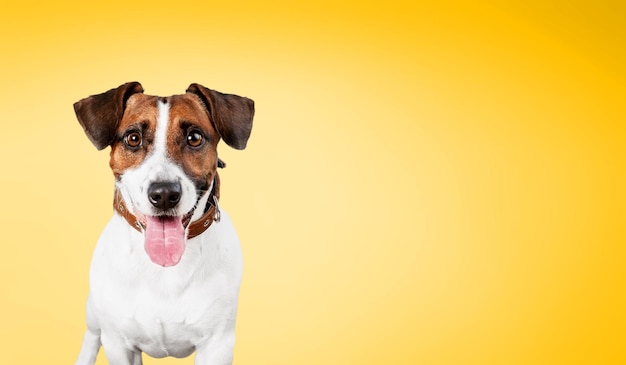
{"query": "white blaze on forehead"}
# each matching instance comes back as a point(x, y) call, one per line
point(160, 139)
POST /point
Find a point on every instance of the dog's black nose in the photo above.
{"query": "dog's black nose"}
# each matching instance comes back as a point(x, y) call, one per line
point(164, 195)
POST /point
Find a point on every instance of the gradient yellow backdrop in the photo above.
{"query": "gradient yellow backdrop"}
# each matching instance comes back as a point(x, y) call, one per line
point(426, 182)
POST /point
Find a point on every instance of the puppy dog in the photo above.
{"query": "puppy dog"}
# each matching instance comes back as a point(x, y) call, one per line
point(165, 273)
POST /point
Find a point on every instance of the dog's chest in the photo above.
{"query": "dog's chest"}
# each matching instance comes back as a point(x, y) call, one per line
point(164, 312)
point(163, 323)
point(164, 327)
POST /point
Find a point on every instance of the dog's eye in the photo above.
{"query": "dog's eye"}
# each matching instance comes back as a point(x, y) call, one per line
point(133, 139)
point(195, 138)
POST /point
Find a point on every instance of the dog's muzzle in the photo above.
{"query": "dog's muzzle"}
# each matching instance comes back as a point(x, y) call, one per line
point(160, 231)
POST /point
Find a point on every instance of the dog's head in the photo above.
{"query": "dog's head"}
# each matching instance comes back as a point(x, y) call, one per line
point(164, 153)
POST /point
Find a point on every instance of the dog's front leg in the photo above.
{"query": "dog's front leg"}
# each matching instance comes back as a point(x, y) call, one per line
point(216, 351)
point(118, 354)
point(91, 340)
point(90, 348)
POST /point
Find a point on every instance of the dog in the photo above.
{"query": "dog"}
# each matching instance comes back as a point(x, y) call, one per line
point(166, 271)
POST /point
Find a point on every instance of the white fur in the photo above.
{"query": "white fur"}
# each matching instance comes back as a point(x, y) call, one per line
point(137, 306)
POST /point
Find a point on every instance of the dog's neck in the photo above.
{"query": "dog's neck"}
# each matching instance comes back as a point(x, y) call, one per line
point(197, 227)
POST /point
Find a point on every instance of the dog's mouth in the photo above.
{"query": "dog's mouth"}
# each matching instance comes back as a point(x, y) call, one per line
point(165, 237)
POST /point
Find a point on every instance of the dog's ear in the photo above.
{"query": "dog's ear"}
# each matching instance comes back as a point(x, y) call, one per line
point(99, 115)
point(230, 114)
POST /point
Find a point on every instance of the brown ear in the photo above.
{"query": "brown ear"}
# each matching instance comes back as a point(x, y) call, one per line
point(230, 114)
point(100, 114)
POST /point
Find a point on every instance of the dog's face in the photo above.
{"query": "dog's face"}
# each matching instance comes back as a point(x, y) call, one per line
point(164, 154)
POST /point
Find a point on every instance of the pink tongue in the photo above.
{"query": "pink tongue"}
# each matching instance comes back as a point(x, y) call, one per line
point(165, 240)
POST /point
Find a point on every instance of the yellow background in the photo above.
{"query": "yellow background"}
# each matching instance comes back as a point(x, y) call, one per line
point(426, 182)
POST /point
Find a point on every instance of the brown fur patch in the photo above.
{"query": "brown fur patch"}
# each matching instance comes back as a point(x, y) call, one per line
point(186, 114)
point(141, 115)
